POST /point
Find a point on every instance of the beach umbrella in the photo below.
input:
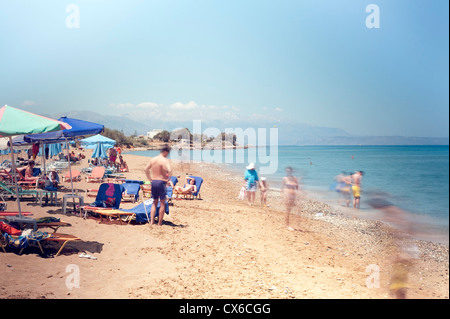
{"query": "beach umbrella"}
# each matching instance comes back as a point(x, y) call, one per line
point(14, 121)
point(77, 128)
point(91, 142)
point(100, 151)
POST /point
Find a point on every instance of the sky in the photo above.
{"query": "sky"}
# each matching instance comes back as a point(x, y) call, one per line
point(315, 62)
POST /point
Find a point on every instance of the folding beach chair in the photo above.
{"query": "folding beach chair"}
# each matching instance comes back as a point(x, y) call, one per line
point(96, 175)
point(108, 197)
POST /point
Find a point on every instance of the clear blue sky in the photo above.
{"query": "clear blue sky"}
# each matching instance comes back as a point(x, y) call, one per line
point(312, 62)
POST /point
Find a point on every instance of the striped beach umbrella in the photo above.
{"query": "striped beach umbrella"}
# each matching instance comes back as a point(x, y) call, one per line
point(14, 121)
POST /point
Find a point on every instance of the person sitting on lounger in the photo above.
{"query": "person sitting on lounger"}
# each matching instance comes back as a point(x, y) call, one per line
point(188, 188)
point(28, 172)
point(54, 179)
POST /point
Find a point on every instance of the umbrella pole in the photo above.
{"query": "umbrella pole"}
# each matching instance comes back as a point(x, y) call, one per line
point(13, 169)
point(70, 168)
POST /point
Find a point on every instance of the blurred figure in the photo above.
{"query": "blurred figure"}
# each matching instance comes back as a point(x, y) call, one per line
point(289, 189)
point(251, 177)
point(406, 250)
point(123, 166)
point(112, 156)
point(356, 188)
point(343, 184)
point(264, 189)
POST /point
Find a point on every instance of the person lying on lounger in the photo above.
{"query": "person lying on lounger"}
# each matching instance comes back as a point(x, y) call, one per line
point(188, 188)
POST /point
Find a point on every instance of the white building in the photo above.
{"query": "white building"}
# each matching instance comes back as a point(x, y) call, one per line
point(153, 133)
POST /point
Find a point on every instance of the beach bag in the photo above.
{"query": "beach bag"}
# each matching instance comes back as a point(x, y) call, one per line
point(9, 230)
point(242, 194)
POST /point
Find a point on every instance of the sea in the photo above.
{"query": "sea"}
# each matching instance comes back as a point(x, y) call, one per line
point(413, 178)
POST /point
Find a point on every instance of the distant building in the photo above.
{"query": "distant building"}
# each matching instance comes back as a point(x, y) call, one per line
point(153, 133)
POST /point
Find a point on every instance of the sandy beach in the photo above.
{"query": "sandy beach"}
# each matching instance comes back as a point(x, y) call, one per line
point(219, 247)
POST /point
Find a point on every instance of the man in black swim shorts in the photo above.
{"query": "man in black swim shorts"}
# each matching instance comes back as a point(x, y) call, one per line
point(158, 171)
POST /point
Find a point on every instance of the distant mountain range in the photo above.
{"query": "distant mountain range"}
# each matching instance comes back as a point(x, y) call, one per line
point(288, 133)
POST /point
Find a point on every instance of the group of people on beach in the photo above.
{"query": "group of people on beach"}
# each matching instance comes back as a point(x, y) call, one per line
point(111, 160)
point(348, 184)
point(289, 189)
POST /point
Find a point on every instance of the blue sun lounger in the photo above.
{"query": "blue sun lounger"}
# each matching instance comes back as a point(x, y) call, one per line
point(140, 212)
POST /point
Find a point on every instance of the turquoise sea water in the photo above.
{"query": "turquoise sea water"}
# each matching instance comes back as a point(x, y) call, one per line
point(414, 178)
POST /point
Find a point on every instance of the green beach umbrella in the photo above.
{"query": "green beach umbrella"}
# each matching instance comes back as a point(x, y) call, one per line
point(15, 121)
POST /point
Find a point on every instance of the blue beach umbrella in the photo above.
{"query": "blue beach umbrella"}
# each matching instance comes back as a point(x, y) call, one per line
point(100, 151)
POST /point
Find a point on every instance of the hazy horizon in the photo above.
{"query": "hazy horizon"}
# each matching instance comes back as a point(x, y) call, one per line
point(369, 69)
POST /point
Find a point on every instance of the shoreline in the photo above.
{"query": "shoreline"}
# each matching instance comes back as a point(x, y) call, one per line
point(365, 213)
point(220, 248)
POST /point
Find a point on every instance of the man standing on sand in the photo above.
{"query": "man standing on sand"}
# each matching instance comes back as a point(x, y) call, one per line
point(158, 171)
point(356, 188)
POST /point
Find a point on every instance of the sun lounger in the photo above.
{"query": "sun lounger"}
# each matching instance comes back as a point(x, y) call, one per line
point(61, 238)
point(140, 213)
point(90, 192)
point(109, 196)
point(3, 243)
point(10, 190)
point(198, 183)
point(15, 213)
point(191, 195)
point(131, 192)
point(5, 175)
point(96, 175)
point(22, 242)
point(76, 176)
point(59, 166)
point(146, 191)
point(55, 225)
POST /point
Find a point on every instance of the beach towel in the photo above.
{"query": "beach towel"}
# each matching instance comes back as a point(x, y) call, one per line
point(132, 188)
point(142, 212)
point(9, 229)
point(49, 219)
point(109, 195)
